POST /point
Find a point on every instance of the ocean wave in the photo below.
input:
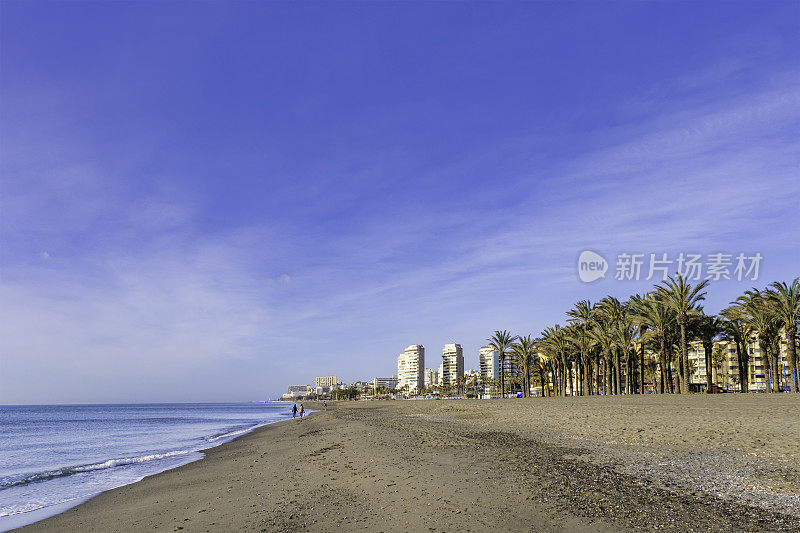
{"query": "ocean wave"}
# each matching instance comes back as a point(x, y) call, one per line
point(230, 433)
point(71, 470)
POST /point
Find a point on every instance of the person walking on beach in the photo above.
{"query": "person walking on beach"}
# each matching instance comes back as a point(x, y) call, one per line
point(294, 411)
point(302, 410)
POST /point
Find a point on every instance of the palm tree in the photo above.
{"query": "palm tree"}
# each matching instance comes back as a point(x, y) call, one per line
point(573, 351)
point(602, 336)
point(555, 344)
point(784, 300)
point(624, 340)
point(460, 383)
point(761, 319)
point(524, 351)
point(502, 341)
point(582, 316)
point(717, 359)
point(651, 365)
point(707, 328)
point(682, 298)
point(658, 321)
point(738, 330)
point(636, 303)
point(543, 366)
point(611, 308)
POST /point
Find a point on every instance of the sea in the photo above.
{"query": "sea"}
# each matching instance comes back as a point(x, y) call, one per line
point(53, 457)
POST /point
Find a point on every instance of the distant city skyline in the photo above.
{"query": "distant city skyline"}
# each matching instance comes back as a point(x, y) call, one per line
point(212, 201)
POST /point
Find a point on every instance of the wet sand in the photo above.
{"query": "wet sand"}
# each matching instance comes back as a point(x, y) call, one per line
point(697, 463)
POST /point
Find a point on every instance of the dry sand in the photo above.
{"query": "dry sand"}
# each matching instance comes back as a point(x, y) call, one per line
point(697, 463)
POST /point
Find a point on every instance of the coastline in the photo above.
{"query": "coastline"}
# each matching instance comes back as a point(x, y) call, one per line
point(599, 464)
point(16, 521)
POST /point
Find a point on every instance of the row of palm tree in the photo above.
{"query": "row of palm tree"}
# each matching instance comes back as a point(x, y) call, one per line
point(606, 343)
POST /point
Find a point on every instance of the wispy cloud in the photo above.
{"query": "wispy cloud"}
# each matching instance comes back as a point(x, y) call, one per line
point(140, 289)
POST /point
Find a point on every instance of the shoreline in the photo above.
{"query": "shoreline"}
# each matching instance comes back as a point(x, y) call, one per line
point(547, 464)
point(21, 520)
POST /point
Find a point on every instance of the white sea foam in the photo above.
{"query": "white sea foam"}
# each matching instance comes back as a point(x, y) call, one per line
point(113, 441)
point(70, 470)
point(215, 438)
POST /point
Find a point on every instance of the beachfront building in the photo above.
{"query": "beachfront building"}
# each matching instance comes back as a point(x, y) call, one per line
point(725, 366)
point(297, 391)
point(384, 383)
point(471, 378)
point(760, 373)
point(411, 368)
point(431, 378)
point(452, 364)
point(361, 385)
point(511, 367)
point(326, 381)
point(489, 363)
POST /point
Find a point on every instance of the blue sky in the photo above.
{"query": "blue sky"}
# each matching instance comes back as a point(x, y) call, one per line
point(210, 201)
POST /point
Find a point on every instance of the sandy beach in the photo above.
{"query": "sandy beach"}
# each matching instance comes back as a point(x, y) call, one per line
point(697, 463)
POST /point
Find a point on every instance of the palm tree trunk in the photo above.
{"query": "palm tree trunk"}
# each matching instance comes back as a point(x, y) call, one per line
point(558, 375)
point(632, 372)
point(641, 370)
point(627, 376)
point(684, 357)
point(569, 376)
point(617, 381)
point(666, 378)
point(502, 377)
point(527, 381)
point(585, 375)
point(597, 384)
point(772, 360)
point(791, 333)
point(708, 345)
point(765, 354)
point(776, 350)
point(741, 356)
point(541, 380)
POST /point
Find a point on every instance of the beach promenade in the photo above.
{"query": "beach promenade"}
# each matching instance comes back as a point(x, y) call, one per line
point(696, 463)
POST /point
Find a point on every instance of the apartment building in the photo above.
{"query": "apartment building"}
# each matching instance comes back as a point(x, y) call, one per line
point(297, 391)
point(489, 363)
point(326, 381)
point(384, 383)
point(431, 378)
point(452, 364)
point(411, 368)
point(725, 374)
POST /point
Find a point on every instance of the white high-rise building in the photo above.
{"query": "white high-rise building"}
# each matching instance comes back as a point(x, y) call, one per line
point(490, 363)
point(411, 368)
point(431, 378)
point(452, 364)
